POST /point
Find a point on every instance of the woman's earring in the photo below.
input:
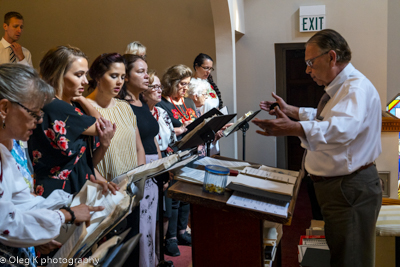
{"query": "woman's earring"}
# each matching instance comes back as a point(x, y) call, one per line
point(4, 123)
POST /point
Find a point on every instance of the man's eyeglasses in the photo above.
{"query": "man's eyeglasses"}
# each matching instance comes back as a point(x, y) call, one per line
point(36, 115)
point(310, 62)
point(156, 88)
point(207, 68)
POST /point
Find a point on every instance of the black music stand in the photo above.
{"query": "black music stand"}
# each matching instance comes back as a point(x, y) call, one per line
point(243, 125)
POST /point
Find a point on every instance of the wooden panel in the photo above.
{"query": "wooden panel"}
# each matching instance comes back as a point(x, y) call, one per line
point(222, 238)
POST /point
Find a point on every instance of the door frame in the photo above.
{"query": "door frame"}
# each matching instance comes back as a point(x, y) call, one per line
point(281, 90)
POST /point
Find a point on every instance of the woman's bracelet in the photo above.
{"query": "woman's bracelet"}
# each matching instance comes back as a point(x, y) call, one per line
point(70, 212)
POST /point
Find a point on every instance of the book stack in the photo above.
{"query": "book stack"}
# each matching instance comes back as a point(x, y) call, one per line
point(272, 234)
point(313, 249)
point(267, 190)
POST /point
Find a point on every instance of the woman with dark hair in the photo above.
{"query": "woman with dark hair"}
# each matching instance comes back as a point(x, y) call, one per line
point(126, 150)
point(137, 82)
point(61, 147)
point(108, 74)
point(203, 66)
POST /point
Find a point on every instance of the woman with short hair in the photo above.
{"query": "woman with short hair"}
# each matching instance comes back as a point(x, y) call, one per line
point(136, 48)
point(182, 112)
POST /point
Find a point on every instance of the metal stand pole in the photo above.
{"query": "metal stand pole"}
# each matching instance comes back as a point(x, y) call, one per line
point(244, 129)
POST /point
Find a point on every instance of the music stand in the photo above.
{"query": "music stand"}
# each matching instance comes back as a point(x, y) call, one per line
point(206, 133)
point(243, 125)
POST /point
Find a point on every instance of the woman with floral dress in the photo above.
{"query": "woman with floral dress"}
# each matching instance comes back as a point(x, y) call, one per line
point(60, 148)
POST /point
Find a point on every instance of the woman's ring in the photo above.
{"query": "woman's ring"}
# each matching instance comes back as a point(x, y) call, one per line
point(104, 127)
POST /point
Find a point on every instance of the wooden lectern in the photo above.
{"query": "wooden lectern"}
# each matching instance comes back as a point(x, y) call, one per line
point(224, 235)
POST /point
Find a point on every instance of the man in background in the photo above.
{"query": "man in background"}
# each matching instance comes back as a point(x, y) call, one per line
point(342, 138)
point(10, 50)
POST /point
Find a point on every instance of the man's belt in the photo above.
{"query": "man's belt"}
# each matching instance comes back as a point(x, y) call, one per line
point(316, 178)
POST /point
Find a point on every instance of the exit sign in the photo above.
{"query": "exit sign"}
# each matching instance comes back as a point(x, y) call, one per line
point(312, 18)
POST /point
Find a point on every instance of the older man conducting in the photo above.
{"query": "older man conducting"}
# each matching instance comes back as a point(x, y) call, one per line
point(342, 140)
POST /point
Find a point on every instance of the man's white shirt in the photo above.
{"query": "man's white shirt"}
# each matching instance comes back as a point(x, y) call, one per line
point(5, 54)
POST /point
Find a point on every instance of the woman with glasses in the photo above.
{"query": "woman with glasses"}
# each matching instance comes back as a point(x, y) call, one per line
point(61, 147)
point(181, 109)
point(27, 220)
point(203, 66)
point(182, 112)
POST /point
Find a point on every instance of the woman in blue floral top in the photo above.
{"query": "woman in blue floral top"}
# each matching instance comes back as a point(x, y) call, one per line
point(61, 148)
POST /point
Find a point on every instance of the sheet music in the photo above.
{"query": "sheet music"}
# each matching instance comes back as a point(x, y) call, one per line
point(261, 204)
point(270, 175)
point(67, 247)
point(277, 170)
point(224, 110)
point(190, 174)
point(224, 163)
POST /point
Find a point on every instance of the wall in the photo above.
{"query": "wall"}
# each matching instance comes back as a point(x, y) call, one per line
point(173, 31)
point(388, 160)
point(270, 22)
point(393, 69)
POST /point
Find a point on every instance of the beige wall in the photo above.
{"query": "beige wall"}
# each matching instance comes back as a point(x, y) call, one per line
point(173, 31)
point(270, 22)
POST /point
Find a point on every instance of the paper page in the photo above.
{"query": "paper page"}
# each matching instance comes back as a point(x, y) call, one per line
point(261, 204)
point(277, 170)
point(224, 163)
point(266, 185)
point(71, 245)
point(109, 202)
point(284, 178)
point(224, 110)
point(190, 174)
point(157, 165)
point(182, 163)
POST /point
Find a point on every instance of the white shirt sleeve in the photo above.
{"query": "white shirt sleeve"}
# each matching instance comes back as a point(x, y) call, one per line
point(342, 123)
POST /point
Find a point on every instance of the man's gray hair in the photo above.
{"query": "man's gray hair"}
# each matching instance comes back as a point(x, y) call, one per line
point(22, 84)
point(197, 86)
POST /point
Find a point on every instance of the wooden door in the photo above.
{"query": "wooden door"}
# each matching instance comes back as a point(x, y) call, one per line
point(296, 88)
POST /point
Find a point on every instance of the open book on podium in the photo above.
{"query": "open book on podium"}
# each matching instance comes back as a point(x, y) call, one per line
point(204, 131)
point(240, 122)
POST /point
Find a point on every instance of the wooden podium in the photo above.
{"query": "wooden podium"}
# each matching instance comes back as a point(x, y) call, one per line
point(224, 235)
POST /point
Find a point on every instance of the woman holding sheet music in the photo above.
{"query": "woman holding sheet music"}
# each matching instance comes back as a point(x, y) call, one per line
point(108, 73)
point(27, 220)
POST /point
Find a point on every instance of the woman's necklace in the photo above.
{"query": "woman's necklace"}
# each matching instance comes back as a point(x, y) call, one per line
point(182, 111)
point(155, 114)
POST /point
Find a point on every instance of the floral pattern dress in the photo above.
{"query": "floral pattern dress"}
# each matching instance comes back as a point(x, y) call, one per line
point(60, 153)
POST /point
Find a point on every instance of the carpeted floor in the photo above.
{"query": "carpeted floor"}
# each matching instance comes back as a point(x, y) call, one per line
point(184, 260)
point(291, 234)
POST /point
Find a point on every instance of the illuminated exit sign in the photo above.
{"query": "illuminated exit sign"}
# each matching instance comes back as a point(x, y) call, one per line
point(312, 18)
